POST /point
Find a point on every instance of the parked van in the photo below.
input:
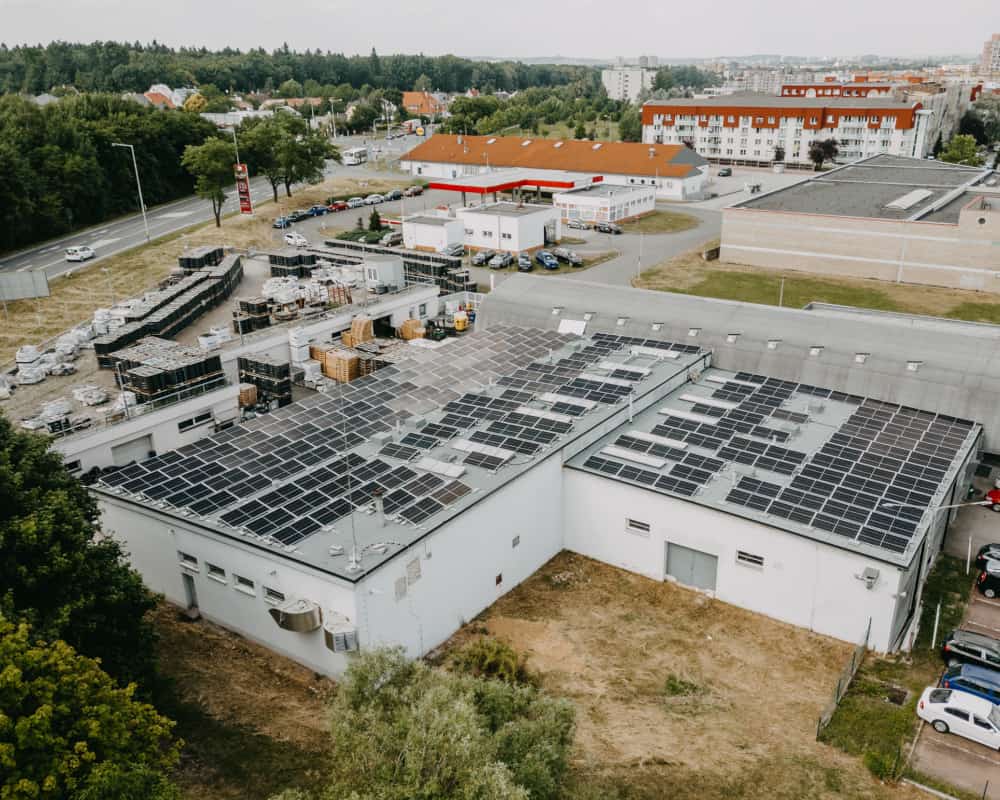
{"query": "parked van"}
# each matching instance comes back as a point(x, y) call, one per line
point(391, 239)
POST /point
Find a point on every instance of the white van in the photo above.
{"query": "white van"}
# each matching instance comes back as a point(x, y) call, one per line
point(81, 253)
point(961, 713)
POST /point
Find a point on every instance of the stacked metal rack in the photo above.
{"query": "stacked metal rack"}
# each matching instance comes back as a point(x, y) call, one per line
point(273, 378)
point(201, 257)
point(173, 309)
point(254, 314)
point(445, 272)
point(291, 264)
point(155, 368)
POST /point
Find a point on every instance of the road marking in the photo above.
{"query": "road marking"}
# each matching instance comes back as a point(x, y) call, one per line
point(984, 601)
point(50, 249)
point(25, 267)
point(175, 214)
point(104, 242)
point(980, 756)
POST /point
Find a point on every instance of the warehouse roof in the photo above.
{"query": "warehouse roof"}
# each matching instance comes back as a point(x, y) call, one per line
point(879, 187)
point(598, 158)
point(429, 219)
point(609, 190)
point(505, 180)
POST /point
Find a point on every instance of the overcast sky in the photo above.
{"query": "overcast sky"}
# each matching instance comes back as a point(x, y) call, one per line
point(581, 28)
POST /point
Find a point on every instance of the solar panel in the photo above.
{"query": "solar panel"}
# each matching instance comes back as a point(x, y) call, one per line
point(439, 431)
point(485, 461)
point(419, 440)
point(400, 451)
point(421, 510)
point(450, 492)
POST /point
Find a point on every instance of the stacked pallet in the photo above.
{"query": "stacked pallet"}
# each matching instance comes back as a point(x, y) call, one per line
point(362, 330)
point(273, 378)
point(411, 329)
point(342, 365)
point(248, 395)
point(339, 295)
point(155, 367)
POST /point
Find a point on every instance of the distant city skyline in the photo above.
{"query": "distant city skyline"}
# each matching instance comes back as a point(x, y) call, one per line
point(517, 28)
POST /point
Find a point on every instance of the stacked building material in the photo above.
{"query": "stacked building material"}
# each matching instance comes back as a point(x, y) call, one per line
point(291, 264)
point(362, 330)
point(445, 272)
point(201, 257)
point(155, 368)
point(273, 378)
point(342, 365)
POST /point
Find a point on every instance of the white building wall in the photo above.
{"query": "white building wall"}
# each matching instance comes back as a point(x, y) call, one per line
point(460, 563)
point(605, 208)
point(418, 236)
point(153, 543)
point(625, 83)
point(96, 447)
point(802, 582)
point(505, 232)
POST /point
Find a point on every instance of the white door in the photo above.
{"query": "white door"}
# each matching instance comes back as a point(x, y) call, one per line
point(692, 567)
point(136, 450)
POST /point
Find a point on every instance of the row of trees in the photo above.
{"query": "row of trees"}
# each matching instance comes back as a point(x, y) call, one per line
point(121, 67)
point(59, 171)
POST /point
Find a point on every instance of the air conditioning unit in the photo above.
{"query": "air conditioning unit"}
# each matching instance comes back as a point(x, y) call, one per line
point(340, 635)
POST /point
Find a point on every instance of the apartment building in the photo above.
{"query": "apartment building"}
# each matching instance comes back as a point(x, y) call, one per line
point(625, 83)
point(750, 128)
point(991, 55)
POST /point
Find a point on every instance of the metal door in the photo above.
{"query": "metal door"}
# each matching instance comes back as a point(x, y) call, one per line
point(692, 567)
point(190, 594)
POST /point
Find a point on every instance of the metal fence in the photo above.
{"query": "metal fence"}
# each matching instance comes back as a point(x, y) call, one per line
point(844, 680)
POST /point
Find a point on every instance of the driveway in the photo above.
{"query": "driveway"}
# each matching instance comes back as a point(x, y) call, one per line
point(959, 762)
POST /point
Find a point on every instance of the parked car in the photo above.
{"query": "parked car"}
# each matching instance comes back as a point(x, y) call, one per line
point(973, 679)
point(395, 194)
point(317, 211)
point(296, 239)
point(453, 250)
point(967, 647)
point(281, 222)
point(988, 582)
point(524, 263)
point(81, 253)
point(299, 214)
point(482, 257)
point(391, 239)
point(374, 200)
point(988, 552)
point(546, 259)
point(338, 205)
point(725, 172)
point(961, 713)
point(568, 256)
point(355, 202)
point(413, 191)
point(578, 224)
point(608, 227)
point(501, 261)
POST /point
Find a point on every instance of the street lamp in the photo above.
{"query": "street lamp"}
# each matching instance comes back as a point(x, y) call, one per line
point(135, 166)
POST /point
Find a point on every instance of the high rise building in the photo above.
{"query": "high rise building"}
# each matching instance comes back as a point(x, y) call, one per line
point(991, 54)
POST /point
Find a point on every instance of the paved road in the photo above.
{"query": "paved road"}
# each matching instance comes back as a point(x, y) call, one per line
point(127, 232)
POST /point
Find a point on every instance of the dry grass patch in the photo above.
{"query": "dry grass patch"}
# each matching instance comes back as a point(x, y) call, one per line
point(688, 273)
point(661, 222)
point(75, 295)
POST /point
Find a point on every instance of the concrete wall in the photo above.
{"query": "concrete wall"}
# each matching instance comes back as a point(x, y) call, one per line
point(805, 583)
point(938, 254)
point(460, 563)
point(153, 543)
point(94, 448)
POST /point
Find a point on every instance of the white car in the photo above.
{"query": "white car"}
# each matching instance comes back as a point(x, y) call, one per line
point(374, 199)
point(296, 239)
point(355, 202)
point(81, 253)
point(961, 713)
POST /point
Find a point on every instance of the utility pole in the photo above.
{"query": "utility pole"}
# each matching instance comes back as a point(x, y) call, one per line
point(138, 184)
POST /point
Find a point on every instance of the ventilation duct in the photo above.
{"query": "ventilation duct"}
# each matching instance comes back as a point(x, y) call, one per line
point(300, 616)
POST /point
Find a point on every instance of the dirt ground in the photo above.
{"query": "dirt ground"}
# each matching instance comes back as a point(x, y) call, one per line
point(667, 680)
point(75, 296)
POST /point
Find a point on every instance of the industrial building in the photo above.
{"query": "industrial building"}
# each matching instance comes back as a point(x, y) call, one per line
point(676, 171)
point(885, 217)
point(603, 202)
point(787, 461)
point(510, 227)
point(749, 128)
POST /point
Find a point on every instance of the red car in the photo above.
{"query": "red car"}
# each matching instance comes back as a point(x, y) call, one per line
point(338, 205)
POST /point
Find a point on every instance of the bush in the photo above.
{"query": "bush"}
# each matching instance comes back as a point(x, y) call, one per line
point(487, 657)
point(884, 766)
point(676, 686)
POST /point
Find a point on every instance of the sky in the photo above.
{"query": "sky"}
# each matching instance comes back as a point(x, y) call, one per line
point(520, 28)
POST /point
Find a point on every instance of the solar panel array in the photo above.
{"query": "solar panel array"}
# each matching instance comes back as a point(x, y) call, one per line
point(882, 454)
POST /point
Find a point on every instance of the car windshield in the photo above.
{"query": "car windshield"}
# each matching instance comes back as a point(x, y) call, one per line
point(940, 695)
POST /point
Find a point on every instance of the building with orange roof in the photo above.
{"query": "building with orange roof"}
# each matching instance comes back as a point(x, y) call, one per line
point(424, 104)
point(159, 100)
point(676, 171)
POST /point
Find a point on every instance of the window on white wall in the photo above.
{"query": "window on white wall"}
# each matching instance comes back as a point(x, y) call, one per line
point(244, 585)
point(637, 526)
point(273, 595)
point(188, 561)
point(216, 573)
point(201, 419)
point(749, 559)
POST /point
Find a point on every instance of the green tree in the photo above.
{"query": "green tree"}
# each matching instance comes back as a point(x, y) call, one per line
point(822, 151)
point(779, 153)
point(374, 220)
point(972, 125)
point(423, 83)
point(630, 125)
point(988, 108)
point(581, 131)
point(402, 730)
point(259, 144)
point(961, 149)
point(56, 573)
point(290, 88)
point(67, 732)
point(211, 164)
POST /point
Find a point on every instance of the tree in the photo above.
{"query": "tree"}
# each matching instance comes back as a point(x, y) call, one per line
point(196, 103)
point(779, 153)
point(630, 125)
point(374, 221)
point(290, 88)
point(988, 108)
point(972, 125)
point(56, 573)
point(821, 151)
point(211, 164)
point(259, 143)
point(581, 131)
point(423, 83)
point(68, 731)
point(402, 730)
point(961, 149)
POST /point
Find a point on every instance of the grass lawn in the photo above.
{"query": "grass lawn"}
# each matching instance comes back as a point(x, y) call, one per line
point(661, 222)
point(588, 262)
point(877, 719)
point(688, 273)
point(603, 131)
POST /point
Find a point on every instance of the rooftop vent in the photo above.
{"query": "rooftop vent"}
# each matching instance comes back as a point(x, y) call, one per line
point(910, 199)
point(731, 338)
point(526, 142)
point(913, 366)
point(815, 350)
point(860, 358)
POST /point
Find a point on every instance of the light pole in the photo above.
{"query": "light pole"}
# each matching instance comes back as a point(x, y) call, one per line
point(138, 184)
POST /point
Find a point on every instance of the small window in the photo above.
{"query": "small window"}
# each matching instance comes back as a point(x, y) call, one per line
point(637, 526)
point(815, 351)
point(982, 723)
point(772, 344)
point(731, 338)
point(499, 579)
point(200, 419)
point(861, 358)
point(273, 595)
point(244, 585)
point(621, 322)
point(515, 541)
point(957, 712)
point(749, 559)
point(216, 573)
point(188, 561)
point(422, 309)
point(588, 316)
point(72, 466)
point(913, 366)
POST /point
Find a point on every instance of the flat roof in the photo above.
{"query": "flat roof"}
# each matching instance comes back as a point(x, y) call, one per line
point(429, 219)
point(755, 100)
point(505, 180)
point(506, 209)
point(437, 431)
point(873, 187)
point(814, 462)
point(607, 190)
